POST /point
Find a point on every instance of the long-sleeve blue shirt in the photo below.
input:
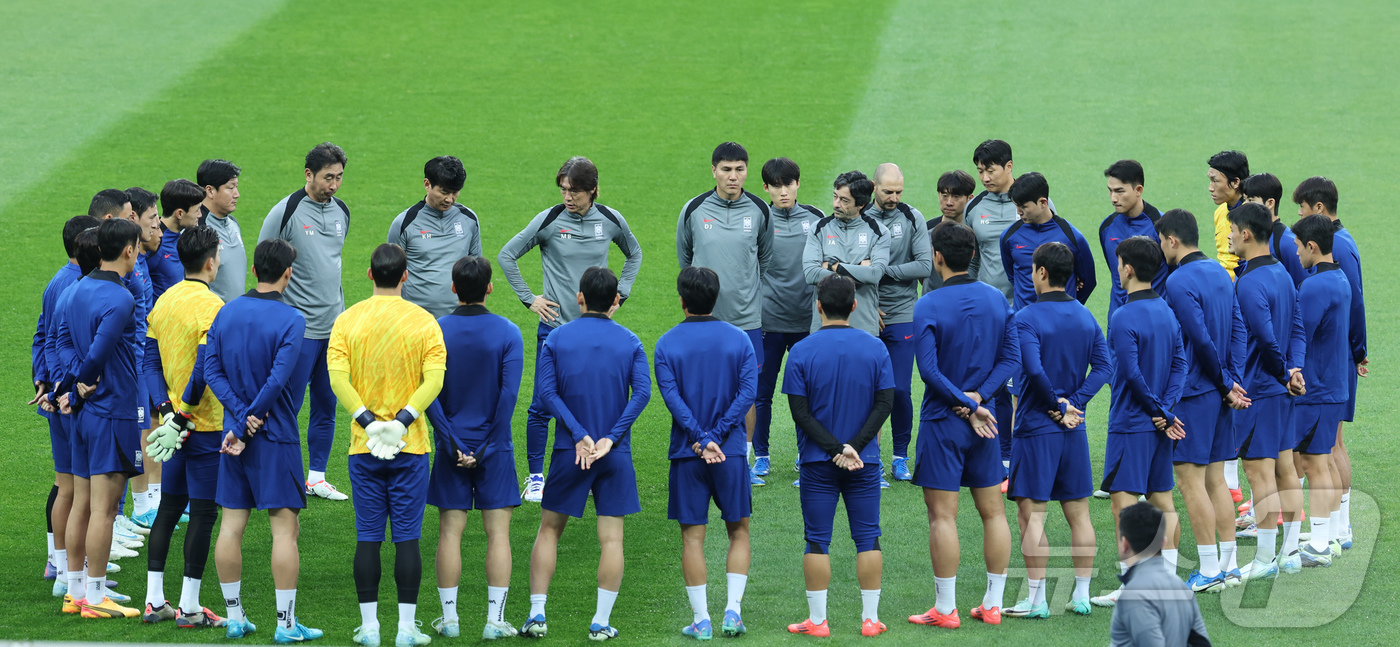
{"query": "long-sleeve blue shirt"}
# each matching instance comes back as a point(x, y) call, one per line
point(1284, 246)
point(839, 369)
point(164, 264)
point(59, 368)
point(1118, 227)
point(594, 379)
point(964, 341)
point(707, 373)
point(1149, 363)
point(138, 281)
point(1201, 295)
point(485, 357)
point(1018, 245)
point(98, 336)
point(40, 370)
point(1063, 355)
point(1269, 306)
point(251, 351)
point(1324, 301)
point(1348, 256)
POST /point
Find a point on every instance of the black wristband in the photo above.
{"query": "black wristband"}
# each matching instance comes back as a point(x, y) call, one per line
point(405, 417)
point(365, 418)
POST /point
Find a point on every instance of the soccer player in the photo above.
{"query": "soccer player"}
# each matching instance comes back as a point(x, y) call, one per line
point(840, 388)
point(315, 222)
point(1040, 224)
point(787, 298)
point(174, 373)
point(178, 199)
point(850, 244)
point(110, 203)
point(708, 376)
point(1226, 172)
point(1324, 300)
point(386, 360)
point(966, 349)
point(1265, 189)
point(475, 463)
point(253, 346)
point(1272, 376)
point(144, 213)
point(594, 379)
point(219, 178)
point(955, 188)
point(1132, 216)
point(435, 233)
point(1149, 371)
point(1065, 361)
point(1201, 296)
point(911, 261)
point(572, 236)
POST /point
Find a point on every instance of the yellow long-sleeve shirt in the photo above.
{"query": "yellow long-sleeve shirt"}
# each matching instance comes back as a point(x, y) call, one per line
point(1222, 239)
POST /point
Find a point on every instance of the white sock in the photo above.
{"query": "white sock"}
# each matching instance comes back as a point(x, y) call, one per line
point(537, 604)
point(77, 585)
point(153, 495)
point(1035, 591)
point(496, 603)
point(286, 608)
point(1334, 526)
point(870, 605)
point(1170, 556)
point(1290, 537)
point(1210, 560)
point(1268, 543)
point(946, 591)
point(737, 583)
point(1320, 533)
point(313, 477)
point(95, 589)
point(369, 616)
point(996, 590)
point(233, 599)
point(155, 588)
point(749, 455)
point(1081, 587)
point(1346, 512)
point(406, 617)
point(51, 548)
point(140, 501)
point(606, 599)
point(449, 603)
point(60, 563)
point(816, 606)
point(699, 609)
point(1227, 556)
point(1232, 474)
point(189, 596)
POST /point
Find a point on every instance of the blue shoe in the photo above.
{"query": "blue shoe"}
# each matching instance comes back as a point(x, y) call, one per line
point(117, 597)
point(1346, 539)
point(755, 481)
point(698, 630)
point(1257, 570)
point(1201, 584)
point(733, 624)
point(761, 466)
point(534, 627)
point(1081, 606)
point(1232, 578)
point(598, 633)
point(241, 628)
point(366, 637)
point(145, 519)
point(884, 485)
point(412, 637)
point(797, 482)
point(1315, 558)
point(901, 469)
point(1292, 564)
point(298, 633)
point(50, 571)
point(60, 587)
point(1024, 609)
point(450, 629)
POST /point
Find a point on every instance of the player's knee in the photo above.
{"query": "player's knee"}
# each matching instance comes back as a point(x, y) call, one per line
point(817, 548)
point(866, 544)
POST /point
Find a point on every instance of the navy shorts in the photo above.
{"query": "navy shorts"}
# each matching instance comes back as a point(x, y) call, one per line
point(490, 485)
point(950, 456)
point(266, 476)
point(611, 480)
point(822, 486)
point(1316, 426)
point(1138, 463)
point(1209, 436)
point(756, 340)
point(1266, 428)
point(194, 469)
point(694, 483)
point(1051, 467)
point(106, 446)
point(396, 490)
point(60, 429)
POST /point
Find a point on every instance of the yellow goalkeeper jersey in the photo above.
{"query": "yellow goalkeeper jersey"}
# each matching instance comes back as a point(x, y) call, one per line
point(180, 322)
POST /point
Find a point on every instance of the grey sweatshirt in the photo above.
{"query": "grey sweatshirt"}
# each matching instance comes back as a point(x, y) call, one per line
point(231, 281)
point(934, 281)
point(911, 260)
point(318, 232)
point(787, 297)
point(570, 244)
point(434, 241)
point(989, 214)
point(1156, 608)
point(735, 239)
point(849, 242)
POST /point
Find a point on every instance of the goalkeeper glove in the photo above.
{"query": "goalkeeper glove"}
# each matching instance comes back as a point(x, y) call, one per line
point(164, 440)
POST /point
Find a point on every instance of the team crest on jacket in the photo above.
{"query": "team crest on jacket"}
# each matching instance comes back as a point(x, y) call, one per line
point(597, 231)
point(806, 226)
point(457, 227)
point(748, 223)
point(898, 230)
point(863, 239)
point(339, 229)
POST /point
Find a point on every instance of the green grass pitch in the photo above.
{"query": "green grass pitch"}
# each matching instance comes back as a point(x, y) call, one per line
point(100, 95)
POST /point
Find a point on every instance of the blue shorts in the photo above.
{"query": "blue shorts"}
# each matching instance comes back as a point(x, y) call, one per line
point(395, 489)
point(1316, 426)
point(1349, 413)
point(194, 469)
point(611, 480)
point(822, 485)
point(1138, 463)
point(756, 340)
point(490, 485)
point(1209, 436)
point(143, 403)
point(694, 483)
point(266, 476)
point(950, 456)
point(1051, 467)
point(106, 446)
point(60, 428)
point(1266, 428)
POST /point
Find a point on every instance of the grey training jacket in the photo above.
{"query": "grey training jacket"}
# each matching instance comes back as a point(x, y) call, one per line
point(735, 239)
point(1156, 608)
point(849, 242)
point(911, 260)
point(318, 232)
point(570, 244)
point(787, 297)
point(231, 281)
point(434, 241)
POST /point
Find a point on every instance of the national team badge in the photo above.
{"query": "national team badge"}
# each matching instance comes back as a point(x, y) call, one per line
point(806, 226)
point(457, 226)
point(748, 223)
point(339, 229)
point(898, 230)
point(597, 231)
point(863, 239)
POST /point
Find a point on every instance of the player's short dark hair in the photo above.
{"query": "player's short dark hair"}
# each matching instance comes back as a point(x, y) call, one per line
point(599, 288)
point(216, 173)
point(196, 246)
point(114, 235)
point(141, 199)
point(1232, 164)
point(781, 171)
point(445, 172)
point(323, 155)
point(729, 152)
point(1142, 254)
point(582, 174)
point(76, 225)
point(471, 275)
point(86, 250)
point(837, 294)
point(271, 258)
point(956, 243)
point(1058, 261)
point(1317, 189)
point(861, 187)
point(1316, 228)
point(387, 265)
point(1128, 172)
point(1264, 186)
point(179, 194)
point(1029, 188)
point(957, 182)
point(108, 203)
point(698, 288)
point(1254, 218)
point(993, 152)
point(1141, 524)
point(1182, 224)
